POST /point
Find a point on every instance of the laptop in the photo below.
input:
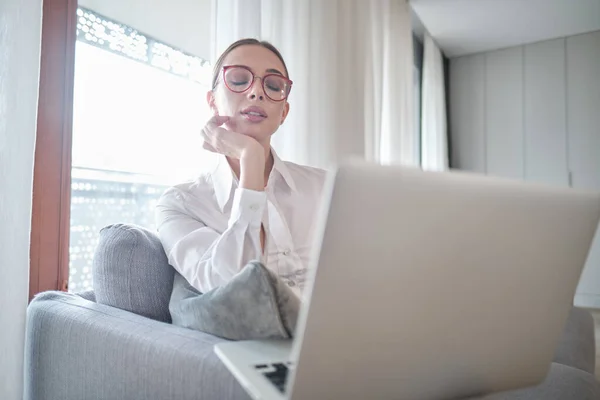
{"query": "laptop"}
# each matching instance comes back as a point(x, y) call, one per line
point(427, 285)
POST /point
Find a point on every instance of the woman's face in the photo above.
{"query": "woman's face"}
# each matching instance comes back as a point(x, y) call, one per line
point(252, 112)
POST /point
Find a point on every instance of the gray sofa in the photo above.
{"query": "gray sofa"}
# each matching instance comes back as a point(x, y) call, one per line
point(116, 342)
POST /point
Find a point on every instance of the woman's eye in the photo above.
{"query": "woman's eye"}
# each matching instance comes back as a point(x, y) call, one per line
point(273, 87)
point(239, 82)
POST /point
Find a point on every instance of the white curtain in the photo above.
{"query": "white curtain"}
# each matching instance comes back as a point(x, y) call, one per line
point(351, 62)
point(20, 24)
point(434, 144)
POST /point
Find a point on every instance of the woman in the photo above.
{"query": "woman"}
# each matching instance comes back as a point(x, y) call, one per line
point(252, 205)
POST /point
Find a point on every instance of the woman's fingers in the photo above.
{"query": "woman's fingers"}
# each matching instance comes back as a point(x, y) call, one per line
point(208, 146)
point(223, 141)
point(209, 132)
point(217, 120)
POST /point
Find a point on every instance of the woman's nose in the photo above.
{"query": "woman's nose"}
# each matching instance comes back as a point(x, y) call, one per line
point(256, 91)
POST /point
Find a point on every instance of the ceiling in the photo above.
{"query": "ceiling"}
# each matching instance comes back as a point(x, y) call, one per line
point(463, 27)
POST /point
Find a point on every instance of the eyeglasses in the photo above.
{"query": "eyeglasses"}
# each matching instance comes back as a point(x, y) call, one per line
point(239, 78)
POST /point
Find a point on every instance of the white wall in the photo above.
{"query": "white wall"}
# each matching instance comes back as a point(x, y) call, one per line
point(20, 28)
point(583, 132)
point(184, 24)
point(533, 112)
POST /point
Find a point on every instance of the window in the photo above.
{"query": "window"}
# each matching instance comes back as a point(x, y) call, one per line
point(138, 108)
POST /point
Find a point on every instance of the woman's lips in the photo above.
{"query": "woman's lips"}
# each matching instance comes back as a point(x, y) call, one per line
point(251, 117)
point(254, 114)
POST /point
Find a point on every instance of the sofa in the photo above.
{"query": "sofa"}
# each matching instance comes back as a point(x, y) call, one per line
point(117, 342)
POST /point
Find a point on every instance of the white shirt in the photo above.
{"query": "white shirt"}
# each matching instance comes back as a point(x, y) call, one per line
point(210, 228)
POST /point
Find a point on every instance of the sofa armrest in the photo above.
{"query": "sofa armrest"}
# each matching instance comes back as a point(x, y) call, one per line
point(88, 295)
point(577, 346)
point(562, 382)
point(77, 349)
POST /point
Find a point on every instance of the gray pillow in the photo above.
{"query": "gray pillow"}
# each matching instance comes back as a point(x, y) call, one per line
point(255, 304)
point(131, 271)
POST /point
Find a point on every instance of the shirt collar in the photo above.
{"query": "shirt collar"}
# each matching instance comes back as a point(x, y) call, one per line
point(223, 178)
point(280, 167)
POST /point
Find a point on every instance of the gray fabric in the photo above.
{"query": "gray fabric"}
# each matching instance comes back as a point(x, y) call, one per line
point(577, 347)
point(255, 304)
point(562, 383)
point(79, 350)
point(76, 349)
point(88, 295)
point(131, 271)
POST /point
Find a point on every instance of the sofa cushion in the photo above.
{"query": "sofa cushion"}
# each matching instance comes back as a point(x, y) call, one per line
point(255, 304)
point(131, 271)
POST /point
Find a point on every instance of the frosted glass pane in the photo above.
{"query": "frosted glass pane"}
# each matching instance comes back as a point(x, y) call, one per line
point(139, 106)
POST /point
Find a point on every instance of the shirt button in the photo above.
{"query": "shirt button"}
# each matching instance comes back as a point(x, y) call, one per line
point(287, 252)
point(291, 283)
point(254, 207)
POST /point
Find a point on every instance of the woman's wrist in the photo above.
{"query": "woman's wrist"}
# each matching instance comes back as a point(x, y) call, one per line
point(252, 168)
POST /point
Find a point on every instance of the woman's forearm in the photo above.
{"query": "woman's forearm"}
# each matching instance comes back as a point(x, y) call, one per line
point(252, 169)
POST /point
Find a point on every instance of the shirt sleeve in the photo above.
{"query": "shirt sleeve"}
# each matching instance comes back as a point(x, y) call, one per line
point(206, 258)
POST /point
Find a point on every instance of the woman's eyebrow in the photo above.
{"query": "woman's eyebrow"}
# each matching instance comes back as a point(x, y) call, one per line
point(274, 71)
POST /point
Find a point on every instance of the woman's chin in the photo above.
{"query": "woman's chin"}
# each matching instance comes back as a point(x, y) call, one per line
point(252, 129)
point(258, 136)
point(256, 132)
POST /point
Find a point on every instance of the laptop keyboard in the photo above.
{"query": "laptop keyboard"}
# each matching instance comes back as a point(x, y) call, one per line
point(277, 373)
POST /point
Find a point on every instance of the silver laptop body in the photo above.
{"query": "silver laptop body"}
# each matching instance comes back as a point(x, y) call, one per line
point(427, 286)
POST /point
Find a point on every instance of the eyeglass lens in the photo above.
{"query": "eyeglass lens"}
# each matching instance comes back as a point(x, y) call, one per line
point(239, 80)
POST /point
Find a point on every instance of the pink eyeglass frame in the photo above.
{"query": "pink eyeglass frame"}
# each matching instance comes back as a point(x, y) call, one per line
point(262, 81)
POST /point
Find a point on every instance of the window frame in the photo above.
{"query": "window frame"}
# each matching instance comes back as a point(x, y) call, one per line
point(49, 251)
point(51, 210)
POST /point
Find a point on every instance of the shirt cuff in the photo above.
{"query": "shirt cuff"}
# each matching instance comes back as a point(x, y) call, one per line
point(248, 206)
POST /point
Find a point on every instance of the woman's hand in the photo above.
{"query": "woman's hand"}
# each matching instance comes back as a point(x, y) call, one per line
point(247, 150)
point(231, 144)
